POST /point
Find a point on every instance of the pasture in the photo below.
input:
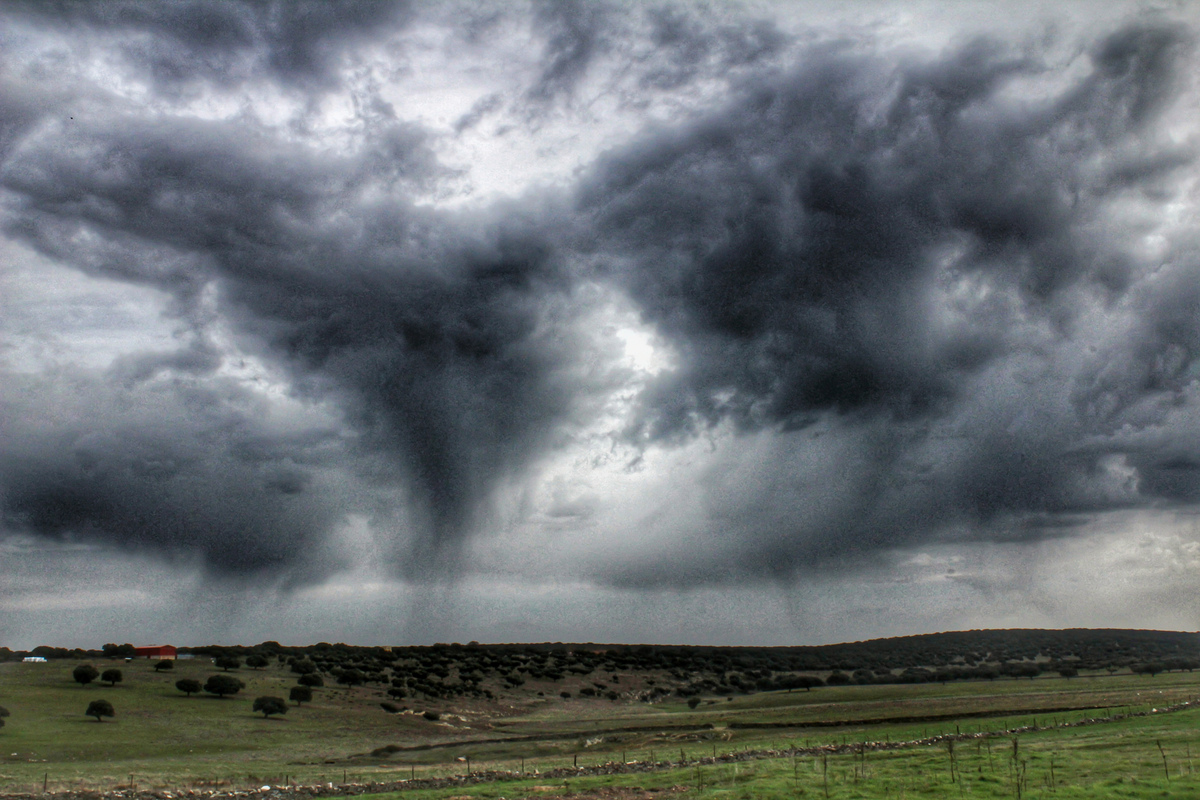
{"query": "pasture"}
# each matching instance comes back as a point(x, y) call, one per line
point(161, 739)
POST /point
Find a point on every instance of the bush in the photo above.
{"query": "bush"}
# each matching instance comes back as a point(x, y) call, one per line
point(112, 676)
point(391, 708)
point(311, 680)
point(99, 709)
point(85, 674)
point(350, 677)
point(227, 662)
point(221, 685)
point(692, 703)
point(166, 663)
point(300, 694)
point(257, 661)
point(837, 679)
point(270, 705)
point(188, 686)
point(805, 682)
point(432, 716)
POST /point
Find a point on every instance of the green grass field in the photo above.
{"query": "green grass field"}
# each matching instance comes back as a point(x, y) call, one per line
point(160, 739)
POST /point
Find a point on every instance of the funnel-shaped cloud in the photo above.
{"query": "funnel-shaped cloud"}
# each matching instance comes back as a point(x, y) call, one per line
point(915, 295)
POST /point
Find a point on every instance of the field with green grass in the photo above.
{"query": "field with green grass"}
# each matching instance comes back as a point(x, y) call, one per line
point(160, 739)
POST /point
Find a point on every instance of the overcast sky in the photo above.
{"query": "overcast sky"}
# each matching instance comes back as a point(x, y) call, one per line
point(761, 323)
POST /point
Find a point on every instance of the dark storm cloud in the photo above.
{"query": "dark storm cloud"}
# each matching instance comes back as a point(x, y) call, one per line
point(573, 32)
point(685, 46)
point(226, 41)
point(885, 264)
point(170, 467)
point(430, 332)
point(802, 248)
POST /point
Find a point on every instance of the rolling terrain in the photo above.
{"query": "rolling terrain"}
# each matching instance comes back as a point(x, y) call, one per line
point(594, 717)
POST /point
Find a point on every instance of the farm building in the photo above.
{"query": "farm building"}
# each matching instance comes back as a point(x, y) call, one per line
point(156, 651)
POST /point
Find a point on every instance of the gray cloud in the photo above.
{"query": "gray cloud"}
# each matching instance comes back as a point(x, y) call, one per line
point(225, 42)
point(686, 46)
point(893, 244)
point(159, 466)
point(915, 273)
point(428, 330)
point(574, 33)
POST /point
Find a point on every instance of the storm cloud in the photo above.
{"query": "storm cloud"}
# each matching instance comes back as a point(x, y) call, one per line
point(919, 254)
point(907, 294)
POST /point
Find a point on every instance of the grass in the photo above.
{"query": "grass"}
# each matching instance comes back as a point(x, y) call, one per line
point(162, 739)
point(158, 731)
point(1118, 760)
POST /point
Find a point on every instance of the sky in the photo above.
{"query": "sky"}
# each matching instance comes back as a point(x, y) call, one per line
point(758, 323)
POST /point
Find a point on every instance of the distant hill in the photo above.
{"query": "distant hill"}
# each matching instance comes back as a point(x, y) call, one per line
point(651, 672)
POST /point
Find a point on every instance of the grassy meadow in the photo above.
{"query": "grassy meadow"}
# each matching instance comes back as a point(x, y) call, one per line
point(161, 739)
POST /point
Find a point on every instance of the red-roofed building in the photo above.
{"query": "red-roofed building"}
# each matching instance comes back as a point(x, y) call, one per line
point(156, 651)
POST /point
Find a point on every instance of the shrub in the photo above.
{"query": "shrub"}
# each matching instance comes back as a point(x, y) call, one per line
point(311, 680)
point(693, 702)
point(99, 709)
point(221, 685)
point(188, 686)
point(85, 674)
point(350, 677)
point(112, 676)
point(166, 663)
point(270, 705)
point(391, 708)
point(300, 694)
point(227, 662)
point(256, 661)
point(432, 716)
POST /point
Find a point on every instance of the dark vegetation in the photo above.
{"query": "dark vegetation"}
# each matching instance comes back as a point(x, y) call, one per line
point(222, 685)
point(449, 671)
point(482, 671)
point(270, 705)
point(85, 674)
point(100, 709)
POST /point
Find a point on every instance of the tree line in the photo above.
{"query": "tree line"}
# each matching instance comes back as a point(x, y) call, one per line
point(447, 671)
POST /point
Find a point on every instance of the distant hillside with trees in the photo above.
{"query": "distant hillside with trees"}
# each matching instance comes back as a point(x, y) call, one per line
point(653, 672)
